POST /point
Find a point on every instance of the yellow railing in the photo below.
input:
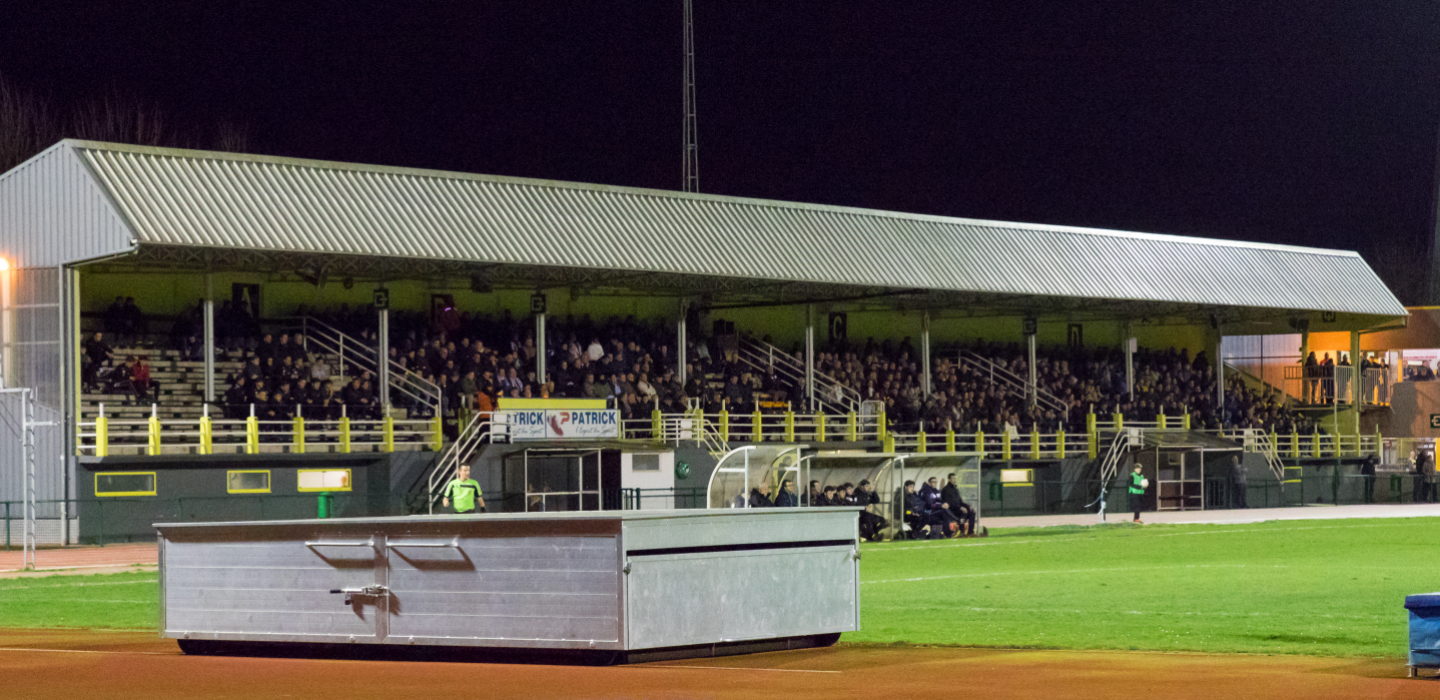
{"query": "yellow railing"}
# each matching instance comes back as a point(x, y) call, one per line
point(105, 436)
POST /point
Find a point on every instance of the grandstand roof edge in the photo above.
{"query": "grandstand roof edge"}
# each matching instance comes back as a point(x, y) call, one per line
point(623, 189)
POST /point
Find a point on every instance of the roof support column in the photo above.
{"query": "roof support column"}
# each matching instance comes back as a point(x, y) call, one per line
point(1032, 378)
point(925, 382)
point(810, 356)
point(540, 348)
point(1130, 362)
point(1220, 373)
point(680, 343)
point(208, 312)
point(383, 359)
point(1357, 373)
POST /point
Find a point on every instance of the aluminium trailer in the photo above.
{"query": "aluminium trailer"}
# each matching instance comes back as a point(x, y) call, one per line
point(637, 585)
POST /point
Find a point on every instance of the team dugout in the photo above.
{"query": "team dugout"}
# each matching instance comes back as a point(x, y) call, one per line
point(187, 260)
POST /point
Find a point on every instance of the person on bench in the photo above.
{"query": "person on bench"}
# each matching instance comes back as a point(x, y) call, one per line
point(760, 496)
point(939, 509)
point(786, 497)
point(872, 526)
point(917, 516)
point(958, 507)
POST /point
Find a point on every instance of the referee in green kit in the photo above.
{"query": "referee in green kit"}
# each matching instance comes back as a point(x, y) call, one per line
point(465, 491)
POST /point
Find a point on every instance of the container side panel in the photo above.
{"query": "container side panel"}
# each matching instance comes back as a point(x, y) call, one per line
point(685, 599)
point(506, 589)
point(267, 588)
point(783, 525)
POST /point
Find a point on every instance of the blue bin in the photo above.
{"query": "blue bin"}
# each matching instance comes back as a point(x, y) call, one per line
point(1424, 630)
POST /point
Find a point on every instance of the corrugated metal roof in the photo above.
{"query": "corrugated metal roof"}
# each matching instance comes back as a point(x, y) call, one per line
point(192, 198)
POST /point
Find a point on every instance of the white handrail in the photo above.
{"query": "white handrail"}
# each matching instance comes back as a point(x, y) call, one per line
point(767, 357)
point(1011, 382)
point(336, 342)
point(461, 451)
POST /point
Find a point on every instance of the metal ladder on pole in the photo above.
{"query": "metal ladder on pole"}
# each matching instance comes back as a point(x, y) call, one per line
point(26, 430)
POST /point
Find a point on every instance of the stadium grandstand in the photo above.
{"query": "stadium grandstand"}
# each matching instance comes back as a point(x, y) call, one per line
point(245, 332)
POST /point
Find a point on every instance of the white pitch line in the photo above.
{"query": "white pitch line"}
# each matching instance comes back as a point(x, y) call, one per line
point(742, 668)
point(1066, 571)
point(72, 585)
point(92, 651)
point(1094, 536)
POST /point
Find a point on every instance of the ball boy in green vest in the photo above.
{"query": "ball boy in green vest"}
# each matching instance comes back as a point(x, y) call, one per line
point(1138, 484)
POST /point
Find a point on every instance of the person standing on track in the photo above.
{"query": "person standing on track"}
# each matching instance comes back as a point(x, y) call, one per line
point(465, 491)
point(1137, 493)
point(1367, 472)
point(1237, 476)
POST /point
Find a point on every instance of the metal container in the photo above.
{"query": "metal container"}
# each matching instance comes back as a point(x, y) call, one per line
point(680, 582)
point(1424, 631)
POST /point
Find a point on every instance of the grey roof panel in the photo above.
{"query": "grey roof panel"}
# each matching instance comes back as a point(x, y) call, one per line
point(194, 198)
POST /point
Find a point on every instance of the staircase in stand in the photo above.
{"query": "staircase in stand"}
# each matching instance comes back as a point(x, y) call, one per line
point(693, 427)
point(354, 357)
point(462, 451)
point(1011, 382)
point(831, 396)
point(1256, 440)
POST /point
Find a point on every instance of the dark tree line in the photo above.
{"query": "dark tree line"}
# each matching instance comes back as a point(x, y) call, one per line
point(30, 123)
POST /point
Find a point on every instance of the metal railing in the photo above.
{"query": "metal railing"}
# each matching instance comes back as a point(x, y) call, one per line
point(1323, 386)
point(203, 435)
point(724, 427)
point(461, 452)
point(830, 394)
point(1011, 382)
point(320, 337)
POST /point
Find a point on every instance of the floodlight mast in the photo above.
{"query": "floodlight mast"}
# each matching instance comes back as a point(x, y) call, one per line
point(691, 164)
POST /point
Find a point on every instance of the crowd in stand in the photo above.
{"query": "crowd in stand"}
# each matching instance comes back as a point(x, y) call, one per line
point(475, 359)
point(1085, 379)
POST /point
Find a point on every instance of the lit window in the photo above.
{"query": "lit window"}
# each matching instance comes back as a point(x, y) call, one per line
point(1017, 477)
point(324, 480)
point(125, 484)
point(247, 482)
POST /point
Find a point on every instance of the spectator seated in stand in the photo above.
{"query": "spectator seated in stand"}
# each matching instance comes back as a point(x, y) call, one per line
point(98, 362)
point(139, 378)
point(119, 379)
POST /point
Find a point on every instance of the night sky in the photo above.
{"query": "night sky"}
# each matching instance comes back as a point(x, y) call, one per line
point(1308, 123)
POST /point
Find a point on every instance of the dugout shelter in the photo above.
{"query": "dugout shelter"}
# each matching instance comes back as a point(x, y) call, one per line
point(83, 221)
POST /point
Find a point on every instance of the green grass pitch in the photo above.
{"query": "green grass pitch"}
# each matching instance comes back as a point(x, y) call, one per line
point(103, 601)
point(1325, 587)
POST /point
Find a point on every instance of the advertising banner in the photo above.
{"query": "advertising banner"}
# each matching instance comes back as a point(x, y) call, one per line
point(560, 424)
